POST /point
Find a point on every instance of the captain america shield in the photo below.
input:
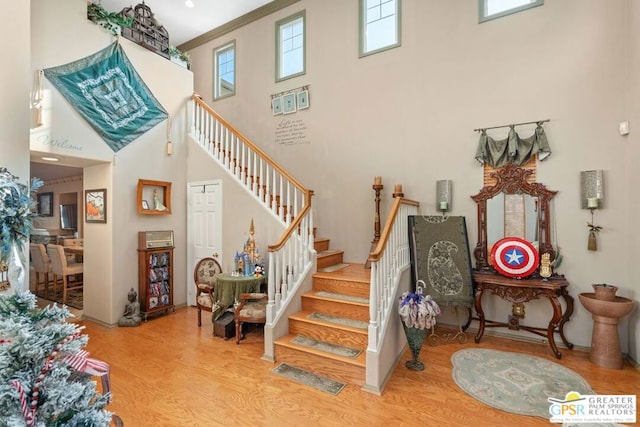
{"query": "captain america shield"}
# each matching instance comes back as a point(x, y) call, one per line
point(514, 257)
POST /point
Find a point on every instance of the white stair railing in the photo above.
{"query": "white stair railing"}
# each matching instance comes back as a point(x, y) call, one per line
point(390, 258)
point(291, 257)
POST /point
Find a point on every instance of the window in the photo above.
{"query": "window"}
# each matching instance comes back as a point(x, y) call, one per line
point(290, 45)
point(491, 9)
point(379, 25)
point(224, 67)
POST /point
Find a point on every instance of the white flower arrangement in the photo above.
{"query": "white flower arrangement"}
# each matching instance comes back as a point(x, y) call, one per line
point(417, 310)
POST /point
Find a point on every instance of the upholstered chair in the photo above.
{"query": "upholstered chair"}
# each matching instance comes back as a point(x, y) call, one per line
point(62, 270)
point(251, 308)
point(204, 277)
point(41, 266)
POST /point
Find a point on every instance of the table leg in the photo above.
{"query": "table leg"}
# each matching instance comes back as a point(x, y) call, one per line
point(479, 312)
point(568, 299)
point(553, 324)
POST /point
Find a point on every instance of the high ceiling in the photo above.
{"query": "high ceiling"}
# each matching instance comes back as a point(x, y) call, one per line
point(184, 23)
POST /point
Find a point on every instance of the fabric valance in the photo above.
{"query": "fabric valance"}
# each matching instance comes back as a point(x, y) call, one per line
point(513, 149)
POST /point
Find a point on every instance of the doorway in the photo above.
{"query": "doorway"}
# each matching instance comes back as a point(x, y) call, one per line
point(204, 227)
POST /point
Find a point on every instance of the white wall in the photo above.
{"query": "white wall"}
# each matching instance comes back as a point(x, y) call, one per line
point(61, 33)
point(408, 115)
point(14, 86)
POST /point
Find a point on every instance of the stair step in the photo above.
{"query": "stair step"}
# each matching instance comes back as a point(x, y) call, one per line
point(349, 333)
point(329, 257)
point(341, 368)
point(321, 244)
point(340, 305)
point(350, 355)
point(352, 280)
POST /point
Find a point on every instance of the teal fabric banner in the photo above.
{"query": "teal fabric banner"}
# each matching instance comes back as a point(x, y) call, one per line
point(108, 92)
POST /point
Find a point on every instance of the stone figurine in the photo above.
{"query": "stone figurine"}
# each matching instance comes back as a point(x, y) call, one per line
point(131, 316)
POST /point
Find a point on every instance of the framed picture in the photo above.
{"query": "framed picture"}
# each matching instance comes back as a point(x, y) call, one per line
point(45, 204)
point(276, 105)
point(303, 99)
point(145, 205)
point(289, 103)
point(95, 205)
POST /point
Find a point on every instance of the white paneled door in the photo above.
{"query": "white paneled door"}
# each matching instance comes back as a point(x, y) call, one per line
point(204, 227)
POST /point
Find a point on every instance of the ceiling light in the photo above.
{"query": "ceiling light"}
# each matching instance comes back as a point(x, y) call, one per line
point(189, 3)
point(51, 159)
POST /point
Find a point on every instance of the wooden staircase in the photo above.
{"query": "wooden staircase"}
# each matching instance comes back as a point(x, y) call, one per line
point(334, 313)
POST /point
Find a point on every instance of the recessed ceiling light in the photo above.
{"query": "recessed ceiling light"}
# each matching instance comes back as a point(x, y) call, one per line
point(51, 159)
point(189, 3)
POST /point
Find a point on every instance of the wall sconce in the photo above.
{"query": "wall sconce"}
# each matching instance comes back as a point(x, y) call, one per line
point(443, 195)
point(592, 198)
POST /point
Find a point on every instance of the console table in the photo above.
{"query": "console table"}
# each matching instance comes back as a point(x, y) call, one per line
point(519, 291)
point(228, 288)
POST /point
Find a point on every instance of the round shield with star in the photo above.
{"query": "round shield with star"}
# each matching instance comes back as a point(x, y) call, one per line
point(514, 257)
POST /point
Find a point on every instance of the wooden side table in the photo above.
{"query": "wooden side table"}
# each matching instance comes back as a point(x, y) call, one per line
point(519, 291)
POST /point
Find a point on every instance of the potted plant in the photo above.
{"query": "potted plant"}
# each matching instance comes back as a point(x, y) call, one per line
point(418, 313)
point(112, 21)
point(179, 57)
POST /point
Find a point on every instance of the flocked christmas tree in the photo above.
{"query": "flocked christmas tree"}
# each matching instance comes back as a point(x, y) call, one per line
point(43, 368)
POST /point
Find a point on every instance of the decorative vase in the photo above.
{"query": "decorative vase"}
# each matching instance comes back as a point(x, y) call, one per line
point(605, 292)
point(415, 338)
point(16, 267)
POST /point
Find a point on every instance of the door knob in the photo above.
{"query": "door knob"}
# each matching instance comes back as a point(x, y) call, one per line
point(215, 255)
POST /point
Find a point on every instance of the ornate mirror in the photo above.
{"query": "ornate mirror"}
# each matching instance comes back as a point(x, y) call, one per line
point(512, 207)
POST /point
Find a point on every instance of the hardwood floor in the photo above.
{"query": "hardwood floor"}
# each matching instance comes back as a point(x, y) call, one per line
point(169, 372)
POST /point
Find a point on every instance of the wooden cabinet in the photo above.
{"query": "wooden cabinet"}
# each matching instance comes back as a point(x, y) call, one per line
point(155, 280)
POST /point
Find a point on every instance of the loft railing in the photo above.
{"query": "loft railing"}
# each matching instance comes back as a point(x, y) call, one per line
point(390, 258)
point(290, 258)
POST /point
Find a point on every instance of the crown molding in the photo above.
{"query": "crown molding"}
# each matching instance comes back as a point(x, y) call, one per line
point(239, 22)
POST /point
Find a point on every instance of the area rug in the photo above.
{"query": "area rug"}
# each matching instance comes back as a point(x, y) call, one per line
point(514, 382)
point(301, 376)
point(74, 297)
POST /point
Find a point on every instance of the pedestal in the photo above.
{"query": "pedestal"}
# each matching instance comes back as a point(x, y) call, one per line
point(605, 343)
point(605, 339)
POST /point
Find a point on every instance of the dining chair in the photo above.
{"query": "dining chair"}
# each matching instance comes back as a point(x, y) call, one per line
point(62, 270)
point(252, 308)
point(41, 266)
point(204, 277)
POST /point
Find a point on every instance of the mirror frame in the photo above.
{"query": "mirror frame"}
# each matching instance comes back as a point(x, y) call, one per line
point(512, 179)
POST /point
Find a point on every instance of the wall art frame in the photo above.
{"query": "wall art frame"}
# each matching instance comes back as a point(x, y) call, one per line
point(95, 206)
point(276, 105)
point(45, 204)
point(289, 103)
point(303, 99)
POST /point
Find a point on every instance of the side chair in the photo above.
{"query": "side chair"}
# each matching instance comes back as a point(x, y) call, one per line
point(252, 308)
point(204, 277)
point(41, 266)
point(62, 270)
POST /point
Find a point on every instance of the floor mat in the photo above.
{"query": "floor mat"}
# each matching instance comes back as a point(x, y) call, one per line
point(74, 297)
point(310, 379)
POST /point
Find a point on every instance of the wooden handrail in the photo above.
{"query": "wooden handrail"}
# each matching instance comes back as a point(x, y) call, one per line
point(384, 236)
point(307, 193)
point(198, 99)
point(294, 225)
